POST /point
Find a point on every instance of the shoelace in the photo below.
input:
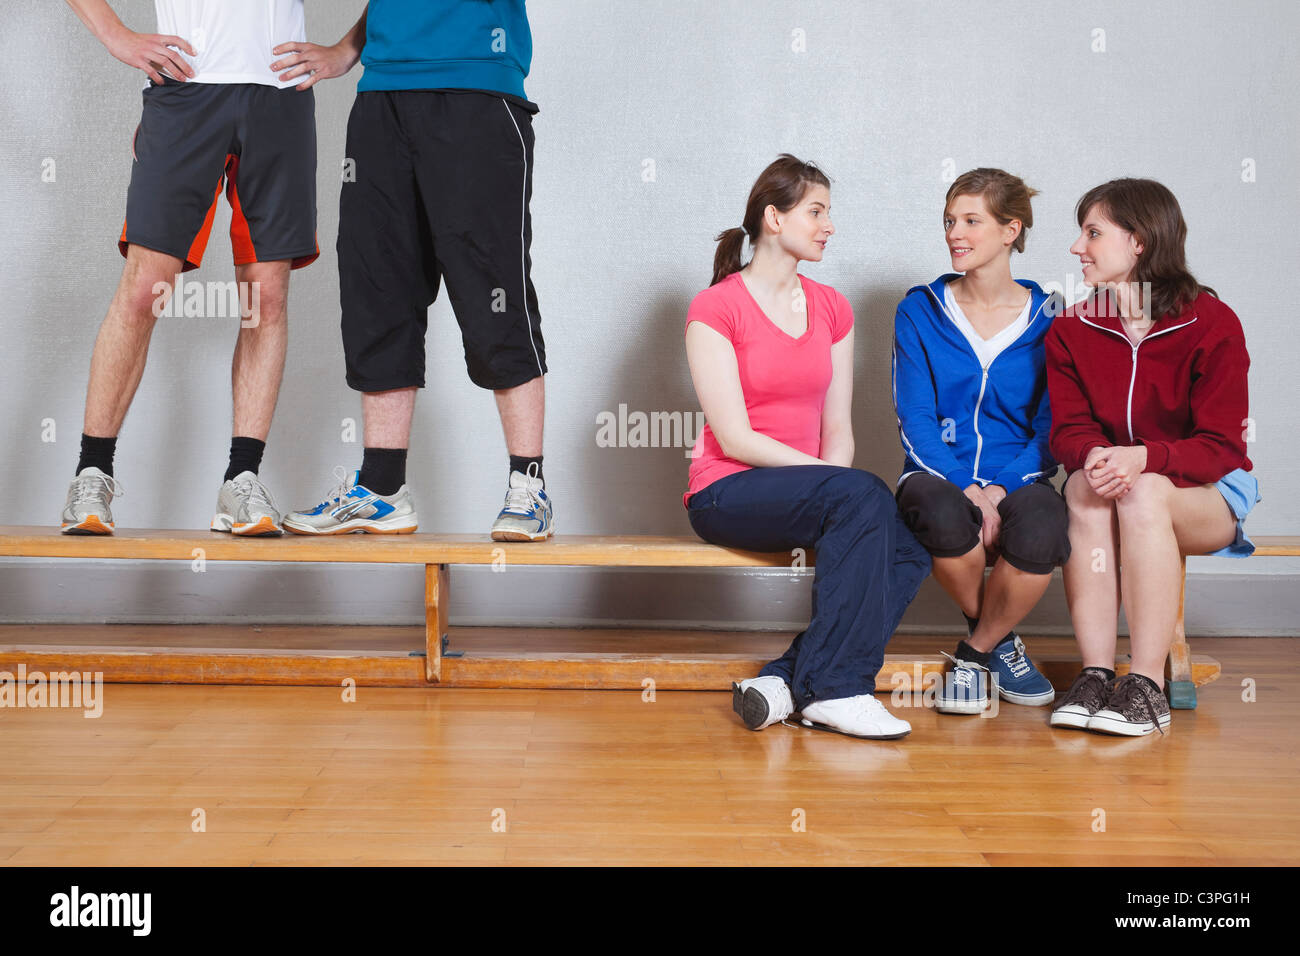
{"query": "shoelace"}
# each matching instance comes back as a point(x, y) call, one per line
point(963, 672)
point(522, 500)
point(86, 490)
point(1088, 691)
point(337, 493)
point(256, 492)
point(1128, 687)
point(1015, 659)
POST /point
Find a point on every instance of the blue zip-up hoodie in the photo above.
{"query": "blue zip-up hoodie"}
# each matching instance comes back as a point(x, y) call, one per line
point(963, 422)
point(446, 44)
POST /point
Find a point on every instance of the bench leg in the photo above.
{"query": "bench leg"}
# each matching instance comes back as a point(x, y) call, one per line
point(436, 580)
point(1182, 692)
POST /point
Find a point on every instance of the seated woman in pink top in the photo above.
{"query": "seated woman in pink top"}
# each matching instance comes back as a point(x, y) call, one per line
point(771, 355)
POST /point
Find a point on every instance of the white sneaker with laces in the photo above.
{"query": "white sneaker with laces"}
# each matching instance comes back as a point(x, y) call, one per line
point(762, 701)
point(244, 507)
point(87, 510)
point(861, 716)
point(527, 514)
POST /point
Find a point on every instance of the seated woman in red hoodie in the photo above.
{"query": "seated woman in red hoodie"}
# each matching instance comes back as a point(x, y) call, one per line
point(1147, 380)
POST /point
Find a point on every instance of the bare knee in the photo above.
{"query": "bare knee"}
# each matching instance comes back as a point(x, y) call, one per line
point(263, 294)
point(1084, 503)
point(145, 288)
point(1146, 501)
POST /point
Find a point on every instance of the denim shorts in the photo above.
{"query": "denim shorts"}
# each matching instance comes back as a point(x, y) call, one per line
point(1241, 491)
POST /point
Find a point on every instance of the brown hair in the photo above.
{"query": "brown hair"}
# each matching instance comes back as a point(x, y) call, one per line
point(782, 185)
point(1149, 210)
point(1006, 196)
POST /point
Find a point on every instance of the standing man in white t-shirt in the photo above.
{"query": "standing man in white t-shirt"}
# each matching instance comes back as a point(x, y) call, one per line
point(215, 114)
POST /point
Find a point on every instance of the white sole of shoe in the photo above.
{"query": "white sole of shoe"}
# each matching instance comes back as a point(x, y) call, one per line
point(813, 725)
point(261, 528)
point(1119, 727)
point(402, 526)
point(520, 536)
point(1076, 720)
point(1028, 700)
point(964, 707)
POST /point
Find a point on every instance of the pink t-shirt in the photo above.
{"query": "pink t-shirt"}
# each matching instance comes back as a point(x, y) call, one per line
point(784, 379)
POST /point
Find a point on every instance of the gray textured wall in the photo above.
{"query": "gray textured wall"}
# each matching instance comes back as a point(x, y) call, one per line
point(889, 97)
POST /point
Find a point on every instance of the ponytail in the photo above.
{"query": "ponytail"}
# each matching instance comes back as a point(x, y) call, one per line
point(726, 259)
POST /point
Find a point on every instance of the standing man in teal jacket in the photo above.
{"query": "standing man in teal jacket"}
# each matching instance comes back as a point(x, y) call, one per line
point(436, 188)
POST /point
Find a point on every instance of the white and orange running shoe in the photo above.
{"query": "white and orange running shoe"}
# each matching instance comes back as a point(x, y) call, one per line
point(87, 510)
point(244, 507)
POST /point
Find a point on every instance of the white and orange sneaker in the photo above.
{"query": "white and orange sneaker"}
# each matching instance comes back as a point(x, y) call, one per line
point(244, 507)
point(87, 510)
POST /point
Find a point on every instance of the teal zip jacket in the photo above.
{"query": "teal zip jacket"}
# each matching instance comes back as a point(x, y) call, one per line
point(446, 44)
point(959, 420)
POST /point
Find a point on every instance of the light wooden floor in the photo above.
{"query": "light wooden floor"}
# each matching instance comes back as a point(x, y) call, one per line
point(290, 775)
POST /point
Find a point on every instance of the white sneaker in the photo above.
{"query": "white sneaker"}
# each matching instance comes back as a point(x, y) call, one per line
point(245, 507)
point(353, 507)
point(87, 510)
point(762, 701)
point(862, 716)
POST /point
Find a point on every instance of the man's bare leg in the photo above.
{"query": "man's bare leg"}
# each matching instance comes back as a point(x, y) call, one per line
point(258, 365)
point(117, 363)
point(116, 367)
point(523, 411)
point(527, 514)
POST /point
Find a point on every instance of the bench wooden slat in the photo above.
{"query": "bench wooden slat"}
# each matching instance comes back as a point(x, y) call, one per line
point(644, 551)
point(1276, 545)
point(535, 669)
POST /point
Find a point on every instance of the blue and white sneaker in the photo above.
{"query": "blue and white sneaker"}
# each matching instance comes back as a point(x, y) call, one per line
point(965, 688)
point(526, 515)
point(353, 507)
point(1019, 681)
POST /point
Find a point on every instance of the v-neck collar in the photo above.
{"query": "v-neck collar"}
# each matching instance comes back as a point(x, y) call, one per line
point(776, 328)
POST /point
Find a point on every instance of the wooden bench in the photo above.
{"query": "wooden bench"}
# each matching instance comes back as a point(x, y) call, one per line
point(437, 552)
point(1182, 681)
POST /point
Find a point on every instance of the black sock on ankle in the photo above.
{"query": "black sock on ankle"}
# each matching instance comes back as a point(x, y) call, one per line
point(245, 455)
point(967, 653)
point(383, 470)
point(520, 464)
point(97, 453)
point(971, 622)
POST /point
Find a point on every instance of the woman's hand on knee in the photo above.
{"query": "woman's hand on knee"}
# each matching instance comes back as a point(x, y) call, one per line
point(1114, 471)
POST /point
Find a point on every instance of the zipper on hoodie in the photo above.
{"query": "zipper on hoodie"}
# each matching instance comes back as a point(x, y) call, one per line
point(984, 375)
point(1132, 378)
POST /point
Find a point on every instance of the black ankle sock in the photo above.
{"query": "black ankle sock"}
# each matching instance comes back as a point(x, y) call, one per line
point(245, 455)
point(971, 622)
point(383, 470)
point(97, 453)
point(967, 653)
point(520, 464)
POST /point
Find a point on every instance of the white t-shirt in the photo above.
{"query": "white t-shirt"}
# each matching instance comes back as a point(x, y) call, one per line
point(986, 349)
point(234, 38)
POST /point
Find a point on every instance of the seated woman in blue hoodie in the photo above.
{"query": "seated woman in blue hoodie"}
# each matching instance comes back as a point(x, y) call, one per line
point(970, 390)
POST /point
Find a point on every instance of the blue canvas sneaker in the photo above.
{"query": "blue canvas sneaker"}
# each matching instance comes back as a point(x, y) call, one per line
point(1019, 681)
point(965, 688)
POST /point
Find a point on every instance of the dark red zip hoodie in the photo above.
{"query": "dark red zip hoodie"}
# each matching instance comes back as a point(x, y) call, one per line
point(1181, 391)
